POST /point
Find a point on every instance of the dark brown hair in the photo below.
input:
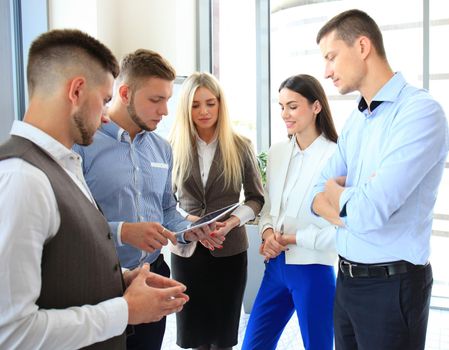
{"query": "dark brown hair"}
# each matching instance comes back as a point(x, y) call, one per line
point(350, 25)
point(60, 49)
point(310, 88)
point(145, 64)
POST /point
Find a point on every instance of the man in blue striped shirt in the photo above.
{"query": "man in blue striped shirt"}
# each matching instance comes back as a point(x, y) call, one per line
point(380, 188)
point(128, 170)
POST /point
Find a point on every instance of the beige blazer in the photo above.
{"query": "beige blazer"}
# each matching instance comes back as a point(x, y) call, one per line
point(197, 200)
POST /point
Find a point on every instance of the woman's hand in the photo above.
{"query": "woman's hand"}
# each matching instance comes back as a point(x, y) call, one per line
point(274, 243)
point(220, 232)
point(286, 239)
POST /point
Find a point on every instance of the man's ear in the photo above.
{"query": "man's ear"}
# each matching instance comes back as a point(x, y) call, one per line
point(365, 46)
point(124, 92)
point(77, 89)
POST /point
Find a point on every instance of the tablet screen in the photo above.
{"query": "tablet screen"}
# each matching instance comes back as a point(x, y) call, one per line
point(211, 217)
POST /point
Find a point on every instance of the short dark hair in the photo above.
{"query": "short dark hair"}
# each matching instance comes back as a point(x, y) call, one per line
point(350, 25)
point(310, 88)
point(142, 64)
point(65, 47)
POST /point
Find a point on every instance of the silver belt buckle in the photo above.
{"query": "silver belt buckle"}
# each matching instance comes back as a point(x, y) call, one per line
point(342, 262)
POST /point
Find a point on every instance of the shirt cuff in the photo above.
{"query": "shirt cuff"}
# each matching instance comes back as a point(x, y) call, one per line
point(181, 211)
point(116, 229)
point(306, 238)
point(264, 227)
point(181, 238)
point(245, 213)
point(119, 233)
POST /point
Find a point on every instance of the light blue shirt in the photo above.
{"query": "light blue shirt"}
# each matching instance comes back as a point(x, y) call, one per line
point(131, 182)
point(393, 159)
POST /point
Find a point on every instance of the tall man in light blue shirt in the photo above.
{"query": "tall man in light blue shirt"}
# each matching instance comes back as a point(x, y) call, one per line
point(128, 170)
point(380, 189)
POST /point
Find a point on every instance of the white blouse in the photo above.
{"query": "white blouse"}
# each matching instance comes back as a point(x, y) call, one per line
point(206, 153)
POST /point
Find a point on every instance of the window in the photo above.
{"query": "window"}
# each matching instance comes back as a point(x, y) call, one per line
point(234, 60)
point(438, 87)
point(294, 50)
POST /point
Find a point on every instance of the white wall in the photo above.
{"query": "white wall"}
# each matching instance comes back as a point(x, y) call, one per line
point(79, 14)
point(168, 26)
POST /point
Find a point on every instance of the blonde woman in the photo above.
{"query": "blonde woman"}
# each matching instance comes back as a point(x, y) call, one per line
point(211, 165)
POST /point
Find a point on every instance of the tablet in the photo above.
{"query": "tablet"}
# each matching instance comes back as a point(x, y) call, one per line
point(211, 217)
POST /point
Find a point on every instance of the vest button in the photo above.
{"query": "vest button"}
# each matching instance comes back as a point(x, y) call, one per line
point(203, 206)
point(109, 235)
point(115, 267)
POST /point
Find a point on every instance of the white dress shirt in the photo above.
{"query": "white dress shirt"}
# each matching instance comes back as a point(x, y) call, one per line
point(206, 153)
point(29, 218)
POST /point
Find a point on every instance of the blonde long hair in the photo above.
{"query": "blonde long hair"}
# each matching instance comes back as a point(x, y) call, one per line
point(183, 134)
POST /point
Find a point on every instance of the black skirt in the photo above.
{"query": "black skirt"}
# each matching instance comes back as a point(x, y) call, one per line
point(215, 287)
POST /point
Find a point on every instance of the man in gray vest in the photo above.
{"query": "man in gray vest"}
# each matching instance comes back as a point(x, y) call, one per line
point(61, 282)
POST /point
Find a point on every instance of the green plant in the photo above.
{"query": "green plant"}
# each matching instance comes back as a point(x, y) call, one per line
point(262, 163)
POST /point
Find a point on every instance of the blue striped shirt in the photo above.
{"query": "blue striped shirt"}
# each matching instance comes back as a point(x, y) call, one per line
point(131, 181)
point(393, 159)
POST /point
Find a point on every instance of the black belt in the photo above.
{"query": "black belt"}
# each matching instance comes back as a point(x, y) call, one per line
point(352, 269)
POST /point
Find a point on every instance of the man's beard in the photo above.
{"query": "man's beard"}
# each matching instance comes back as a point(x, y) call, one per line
point(131, 108)
point(83, 130)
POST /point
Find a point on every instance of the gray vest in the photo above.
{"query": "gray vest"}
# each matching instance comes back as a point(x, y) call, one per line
point(80, 264)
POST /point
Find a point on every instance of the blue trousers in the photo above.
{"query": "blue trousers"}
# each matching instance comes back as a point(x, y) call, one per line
point(308, 289)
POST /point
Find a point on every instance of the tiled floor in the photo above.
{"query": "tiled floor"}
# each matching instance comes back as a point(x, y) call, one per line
point(437, 333)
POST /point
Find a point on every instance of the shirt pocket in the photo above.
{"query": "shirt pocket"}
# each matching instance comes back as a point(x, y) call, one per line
point(159, 165)
point(156, 179)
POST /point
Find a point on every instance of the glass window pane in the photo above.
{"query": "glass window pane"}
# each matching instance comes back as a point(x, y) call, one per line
point(234, 57)
point(294, 49)
point(438, 87)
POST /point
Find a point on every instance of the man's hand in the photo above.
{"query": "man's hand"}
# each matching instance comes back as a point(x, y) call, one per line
point(150, 297)
point(129, 275)
point(341, 180)
point(192, 218)
point(333, 190)
point(322, 207)
point(147, 236)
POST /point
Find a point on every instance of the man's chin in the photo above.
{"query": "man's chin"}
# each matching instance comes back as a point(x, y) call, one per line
point(151, 127)
point(85, 142)
point(343, 90)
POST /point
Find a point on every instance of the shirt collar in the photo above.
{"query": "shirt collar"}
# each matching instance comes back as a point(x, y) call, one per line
point(112, 129)
point(115, 131)
point(203, 144)
point(389, 92)
point(50, 145)
point(320, 140)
